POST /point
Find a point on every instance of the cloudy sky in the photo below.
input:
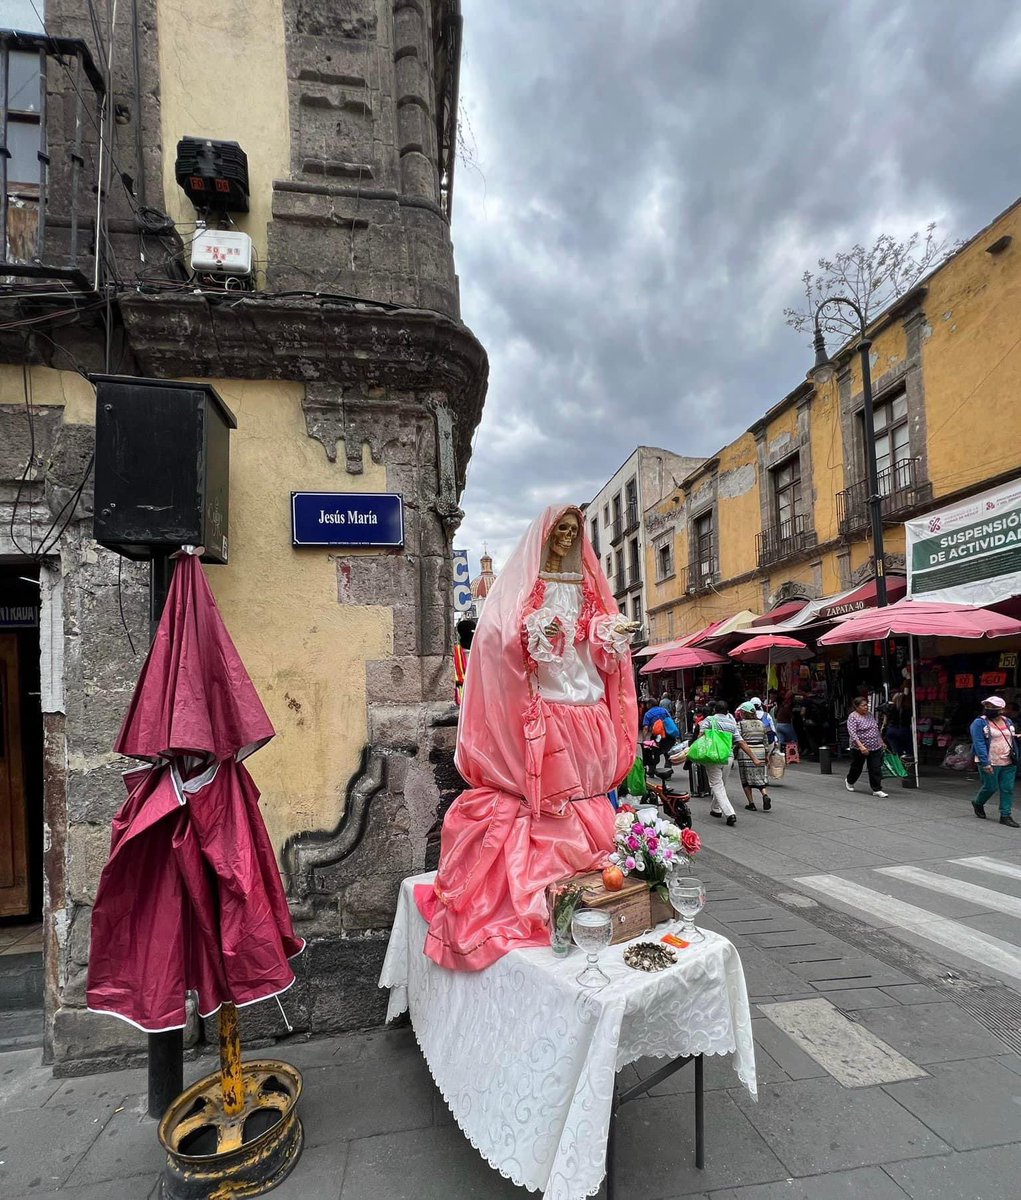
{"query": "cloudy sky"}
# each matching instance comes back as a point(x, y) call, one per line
point(646, 182)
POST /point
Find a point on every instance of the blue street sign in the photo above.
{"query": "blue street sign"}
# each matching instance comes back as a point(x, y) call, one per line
point(347, 519)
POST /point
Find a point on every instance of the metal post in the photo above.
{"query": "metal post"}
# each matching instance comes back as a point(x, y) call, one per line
point(699, 1114)
point(914, 711)
point(875, 499)
point(166, 1050)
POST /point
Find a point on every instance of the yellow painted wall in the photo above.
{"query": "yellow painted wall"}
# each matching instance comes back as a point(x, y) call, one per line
point(304, 650)
point(223, 74)
point(973, 362)
point(738, 517)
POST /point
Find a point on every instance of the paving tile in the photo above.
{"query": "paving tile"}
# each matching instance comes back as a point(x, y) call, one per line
point(789, 1056)
point(40, 1147)
point(967, 1104)
point(127, 1146)
point(1012, 1062)
point(866, 997)
point(930, 1033)
point(913, 993)
point(867, 1183)
point(815, 1125)
point(318, 1175)
point(361, 1100)
point(766, 977)
point(656, 1149)
point(24, 1081)
point(422, 1164)
point(976, 1175)
point(139, 1188)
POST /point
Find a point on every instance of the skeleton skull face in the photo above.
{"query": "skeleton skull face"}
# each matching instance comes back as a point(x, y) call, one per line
point(565, 534)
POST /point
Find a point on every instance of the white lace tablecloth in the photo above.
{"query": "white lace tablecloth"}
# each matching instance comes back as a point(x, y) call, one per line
point(526, 1058)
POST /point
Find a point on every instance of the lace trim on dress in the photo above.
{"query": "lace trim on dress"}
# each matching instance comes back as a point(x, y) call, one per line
point(540, 645)
point(605, 632)
point(561, 576)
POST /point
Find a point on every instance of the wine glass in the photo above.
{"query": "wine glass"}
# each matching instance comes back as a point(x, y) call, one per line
point(687, 896)
point(592, 931)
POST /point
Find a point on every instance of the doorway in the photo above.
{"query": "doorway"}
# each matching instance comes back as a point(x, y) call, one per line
point(21, 747)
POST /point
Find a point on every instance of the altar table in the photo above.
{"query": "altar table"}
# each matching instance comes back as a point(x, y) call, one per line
point(526, 1058)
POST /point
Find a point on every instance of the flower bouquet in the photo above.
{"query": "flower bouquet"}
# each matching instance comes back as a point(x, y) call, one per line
point(649, 850)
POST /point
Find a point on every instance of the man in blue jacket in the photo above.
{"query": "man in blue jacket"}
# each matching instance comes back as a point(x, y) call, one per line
point(995, 743)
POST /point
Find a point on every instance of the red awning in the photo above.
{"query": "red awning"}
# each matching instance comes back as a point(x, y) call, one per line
point(861, 598)
point(780, 613)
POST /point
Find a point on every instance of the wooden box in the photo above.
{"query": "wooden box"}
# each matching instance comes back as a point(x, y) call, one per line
point(633, 908)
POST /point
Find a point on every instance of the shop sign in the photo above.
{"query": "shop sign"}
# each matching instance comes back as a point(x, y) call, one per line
point(969, 552)
point(347, 519)
point(832, 611)
point(19, 616)
point(1008, 661)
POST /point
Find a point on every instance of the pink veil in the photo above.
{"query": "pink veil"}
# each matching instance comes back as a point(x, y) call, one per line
point(501, 733)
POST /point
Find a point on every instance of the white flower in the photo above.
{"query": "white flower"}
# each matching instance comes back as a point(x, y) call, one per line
point(670, 829)
point(623, 822)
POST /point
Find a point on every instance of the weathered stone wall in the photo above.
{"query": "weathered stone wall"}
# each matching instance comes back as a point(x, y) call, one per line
point(385, 393)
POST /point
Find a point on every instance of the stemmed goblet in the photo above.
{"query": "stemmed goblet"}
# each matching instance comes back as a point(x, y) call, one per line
point(687, 896)
point(592, 930)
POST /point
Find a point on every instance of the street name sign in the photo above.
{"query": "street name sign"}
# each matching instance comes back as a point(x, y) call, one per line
point(371, 519)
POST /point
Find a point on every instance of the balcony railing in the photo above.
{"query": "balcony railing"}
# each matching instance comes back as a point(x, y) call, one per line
point(45, 228)
point(616, 531)
point(634, 577)
point(900, 487)
point(703, 573)
point(631, 517)
point(619, 584)
point(783, 540)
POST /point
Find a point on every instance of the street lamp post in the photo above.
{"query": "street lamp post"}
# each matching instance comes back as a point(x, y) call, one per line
point(821, 369)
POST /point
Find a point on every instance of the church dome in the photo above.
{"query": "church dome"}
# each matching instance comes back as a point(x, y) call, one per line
point(483, 582)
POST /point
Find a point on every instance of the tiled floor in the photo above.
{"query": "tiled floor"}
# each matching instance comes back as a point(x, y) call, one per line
point(21, 939)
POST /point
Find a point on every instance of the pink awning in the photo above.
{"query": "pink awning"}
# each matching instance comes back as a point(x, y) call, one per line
point(682, 659)
point(780, 613)
point(771, 648)
point(921, 618)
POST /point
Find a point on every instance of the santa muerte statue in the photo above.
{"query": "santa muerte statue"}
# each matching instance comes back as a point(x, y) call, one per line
point(548, 726)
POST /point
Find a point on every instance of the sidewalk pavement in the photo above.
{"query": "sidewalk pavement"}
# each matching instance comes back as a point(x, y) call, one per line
point(945, 1126)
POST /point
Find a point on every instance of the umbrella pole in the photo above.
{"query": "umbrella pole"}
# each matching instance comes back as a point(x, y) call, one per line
point(166, 1050)
point(914, 706)
point(232, 1080)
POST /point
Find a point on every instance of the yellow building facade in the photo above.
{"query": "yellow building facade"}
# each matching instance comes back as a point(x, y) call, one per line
point(781, 513)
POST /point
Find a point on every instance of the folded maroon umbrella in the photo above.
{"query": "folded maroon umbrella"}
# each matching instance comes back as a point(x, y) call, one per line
point(191, 897)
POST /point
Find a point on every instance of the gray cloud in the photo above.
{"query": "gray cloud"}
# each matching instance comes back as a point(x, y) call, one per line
point(652, 179)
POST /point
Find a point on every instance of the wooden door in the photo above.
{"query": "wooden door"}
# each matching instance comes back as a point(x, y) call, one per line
point(14, 899)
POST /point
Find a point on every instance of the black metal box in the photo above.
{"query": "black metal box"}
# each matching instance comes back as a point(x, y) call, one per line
point(162, 467)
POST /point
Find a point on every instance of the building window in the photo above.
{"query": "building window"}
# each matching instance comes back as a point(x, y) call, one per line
point(664, 560)
point(787, 497)
point(634, 562)
point(703, 544)
point(891, 424)
point(609, 565)
point(606, 516)
point(618, 523)
point(24, 134)
point(670, 623)
point(636, 609)
point(631, 503)
point(595, 535)
point(618, 562)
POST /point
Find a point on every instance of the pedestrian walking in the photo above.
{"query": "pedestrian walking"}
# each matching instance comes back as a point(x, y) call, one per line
point(659, 734)
point(667, 701)
point(866, 747)
point(725, 723)
point(751, 764)
point(995, 744)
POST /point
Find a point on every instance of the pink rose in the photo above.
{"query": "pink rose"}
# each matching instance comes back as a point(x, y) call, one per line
point(652, 844)
point(629, 864)
point(690, 840)
point(633, 843)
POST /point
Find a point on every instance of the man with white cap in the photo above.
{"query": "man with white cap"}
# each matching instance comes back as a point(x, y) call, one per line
point(995, 743)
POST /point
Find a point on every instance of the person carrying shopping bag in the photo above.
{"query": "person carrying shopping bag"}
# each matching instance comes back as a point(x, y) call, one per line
point(995, 744)
point(866, 748)
point(723, 722)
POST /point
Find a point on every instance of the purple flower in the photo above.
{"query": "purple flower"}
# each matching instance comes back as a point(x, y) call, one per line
point(637, 829)
point(668, 854)
point(633, 843)
point(653, 843)
point(629, 863)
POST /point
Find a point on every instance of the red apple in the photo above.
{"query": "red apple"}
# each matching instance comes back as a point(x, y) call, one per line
point(613, 879)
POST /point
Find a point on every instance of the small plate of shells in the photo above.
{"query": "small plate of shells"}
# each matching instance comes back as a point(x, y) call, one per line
point(650, 956)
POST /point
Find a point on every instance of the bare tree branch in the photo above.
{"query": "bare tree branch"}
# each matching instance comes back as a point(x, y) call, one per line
point(873, 277)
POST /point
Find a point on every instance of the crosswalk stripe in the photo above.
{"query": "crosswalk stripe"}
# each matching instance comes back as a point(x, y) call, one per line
point(982, 948)
point(982, 863)
point(987, 897)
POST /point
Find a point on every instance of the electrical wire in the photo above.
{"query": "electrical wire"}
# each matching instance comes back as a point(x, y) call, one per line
point(120, 604)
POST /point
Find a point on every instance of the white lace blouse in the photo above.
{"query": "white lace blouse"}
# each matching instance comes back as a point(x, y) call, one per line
point(566, 671)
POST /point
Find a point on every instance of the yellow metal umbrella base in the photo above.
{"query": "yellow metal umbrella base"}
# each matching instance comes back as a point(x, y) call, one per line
point(235, 1133)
